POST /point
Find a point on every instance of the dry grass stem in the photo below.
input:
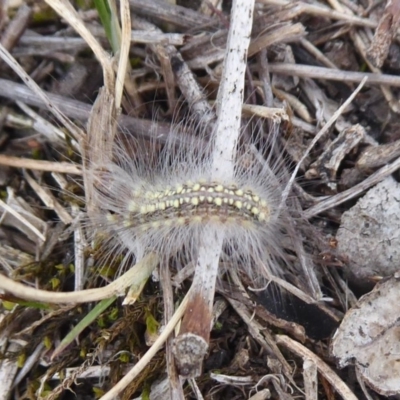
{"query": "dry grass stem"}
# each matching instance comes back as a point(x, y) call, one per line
point(306, 71)
point(41, 165)
point(141, 272)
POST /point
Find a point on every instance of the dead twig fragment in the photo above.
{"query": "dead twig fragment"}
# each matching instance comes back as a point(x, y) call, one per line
point(40, 165)
point(308, 71)
point(322, 367)
point(385, 33)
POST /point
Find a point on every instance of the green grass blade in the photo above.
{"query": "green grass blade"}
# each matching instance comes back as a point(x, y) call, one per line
point(109, 19)
point(86, 321)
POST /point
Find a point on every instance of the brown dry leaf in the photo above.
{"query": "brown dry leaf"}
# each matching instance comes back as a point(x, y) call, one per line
point(369, 335)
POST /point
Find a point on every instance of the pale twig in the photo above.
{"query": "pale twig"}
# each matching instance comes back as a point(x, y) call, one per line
point(144, 128)
point(348, 194)
point(124, 51)
point(142, 270)
point(11, 35)
point(29, 363)
point(195, 329)
point(299, 8)
point(309, 71)
point(322, 132)
point(41, 165)
point(44, 127)
point(20, 218)
point(322, 367)
point(281, 34)
point(79, 247)
point(230, 94)
point(48, 199)
point(144, 361)
point(318, 54)
point(10, 60)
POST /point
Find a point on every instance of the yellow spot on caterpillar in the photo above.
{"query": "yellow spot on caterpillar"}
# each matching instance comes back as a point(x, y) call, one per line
point(256, 199)
point(255, 211)
point(161, 206)
point(219, 188)
point(197, 219)
point(195, 201)
point(181, 221)
point(225, 200)
point(238, 204)
point(176, 203)
point(181, 200)
point(179, 189)
point(230, 201)
point(127, 223)
point(196, 187)
point(263, 203)
point(239, 192)
point(210, 190)
point(187, 200)
point(218, 201)
point(111, 218)
point(202, 198)
point(248, 206)
point(209, 199)
point(262, 216)
point(143, 209)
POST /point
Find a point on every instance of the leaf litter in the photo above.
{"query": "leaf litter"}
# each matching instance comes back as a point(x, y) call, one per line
point(305, 59)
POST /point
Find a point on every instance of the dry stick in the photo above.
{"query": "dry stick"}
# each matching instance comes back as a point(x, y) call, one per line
point(348, 194)
point(40, 165)
point(124, 51)
point(143, 362)
point(308, 71)
point(20, 218)
point(175, 387)
point(331, 121)
point(296, 9)
point(322, 367)
point(48, 199)
point(16, 27)
point(76, 109)
point(191, 345)
point(9, 59)
point(142, 270)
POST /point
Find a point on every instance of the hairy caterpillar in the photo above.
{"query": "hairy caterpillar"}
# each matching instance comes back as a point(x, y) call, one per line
point(161, 200)
point(166, 199)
